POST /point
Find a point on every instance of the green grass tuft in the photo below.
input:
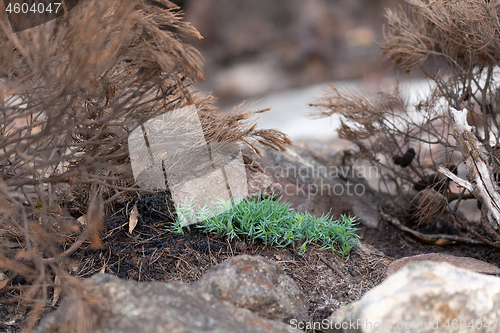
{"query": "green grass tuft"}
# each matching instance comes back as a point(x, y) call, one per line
point(275, 223)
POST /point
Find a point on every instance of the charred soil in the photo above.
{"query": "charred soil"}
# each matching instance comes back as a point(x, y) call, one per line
point(153, 253)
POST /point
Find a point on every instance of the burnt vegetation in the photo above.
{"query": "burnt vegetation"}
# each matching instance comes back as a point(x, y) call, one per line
point(72, 90)
point(406, 159)
point(455, 44)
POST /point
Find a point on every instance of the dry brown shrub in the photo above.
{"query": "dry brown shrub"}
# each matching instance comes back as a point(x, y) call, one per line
point(72, 90)
point(456, 45)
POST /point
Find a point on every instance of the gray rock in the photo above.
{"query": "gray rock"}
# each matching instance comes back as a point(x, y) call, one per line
point(261, 186)
point(424, 297)
point(258, 284)
point(471, 264)
point(159, 307)
point(323, 153)
point(311, 186)
point(366, 211)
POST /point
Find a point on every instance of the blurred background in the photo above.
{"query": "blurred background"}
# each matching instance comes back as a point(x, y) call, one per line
point(283, 53)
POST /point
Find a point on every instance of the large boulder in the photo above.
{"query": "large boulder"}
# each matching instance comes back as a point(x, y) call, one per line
point(258, 284)
point(154, 307)
point(424, 297)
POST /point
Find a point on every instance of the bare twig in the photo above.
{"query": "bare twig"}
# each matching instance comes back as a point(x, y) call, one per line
point(435, 239)
point(459, 43)
point(333, 267)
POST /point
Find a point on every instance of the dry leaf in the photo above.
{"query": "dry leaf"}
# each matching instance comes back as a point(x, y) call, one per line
point(3, 283)
point(103, 269)
point(134, 218)
point(3, 280)
point(95, 215)
point(57, 290)
point(83, 219)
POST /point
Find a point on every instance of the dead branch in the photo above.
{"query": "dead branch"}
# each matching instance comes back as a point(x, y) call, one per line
point(334, 268)
point(458, 41)
point(481, 182)
point(435, 239)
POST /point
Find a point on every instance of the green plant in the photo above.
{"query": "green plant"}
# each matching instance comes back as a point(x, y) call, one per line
point(273, 222)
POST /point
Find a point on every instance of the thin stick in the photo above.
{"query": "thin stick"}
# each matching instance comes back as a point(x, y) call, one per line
point(333, 267)
point(435, 239)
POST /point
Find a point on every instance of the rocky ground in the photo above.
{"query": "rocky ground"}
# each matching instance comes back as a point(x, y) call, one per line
point(253, 48)
point(327, 281)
